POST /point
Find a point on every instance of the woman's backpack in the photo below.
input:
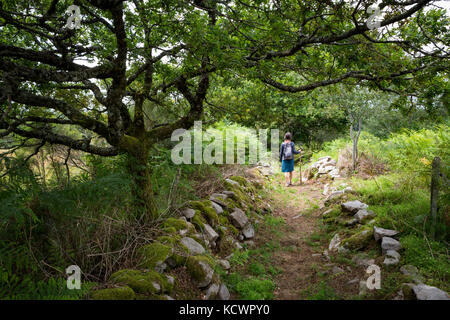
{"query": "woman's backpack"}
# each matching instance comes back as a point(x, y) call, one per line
point(287, 152)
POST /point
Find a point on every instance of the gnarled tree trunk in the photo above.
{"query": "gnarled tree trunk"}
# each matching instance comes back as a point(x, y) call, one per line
point(141, 172)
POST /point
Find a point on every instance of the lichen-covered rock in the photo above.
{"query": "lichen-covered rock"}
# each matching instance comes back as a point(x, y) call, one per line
point(224, 294)
point(120, 293)
point(359, 240)
point(224, 264)
point(334, 196)
point(219, 198)
point(248, 231)
point(334, 243)
point(201, 270)
point(192, 246)
point(232, 182)
point(379, 233)
point(363, 261)
point(188, 213)
point(212, 291)
point(388, 243)
point(210, 233)
point(154, 254)
point(354, 206)
point(325, 169)
point(149, 282)
point(363, 215)
point(392, 258)
point(217, 207)
point(424, 292)
point(334, 173)
point(239, 218)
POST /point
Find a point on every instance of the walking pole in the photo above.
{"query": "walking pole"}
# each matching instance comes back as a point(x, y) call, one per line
point(300, 167)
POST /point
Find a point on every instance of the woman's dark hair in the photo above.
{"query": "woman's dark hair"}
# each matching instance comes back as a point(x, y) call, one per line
point(288, 136)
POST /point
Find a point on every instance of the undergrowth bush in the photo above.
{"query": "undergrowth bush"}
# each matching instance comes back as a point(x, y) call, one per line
point(91, 222)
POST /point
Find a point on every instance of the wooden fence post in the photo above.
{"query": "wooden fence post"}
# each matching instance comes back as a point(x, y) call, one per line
point(434, 196)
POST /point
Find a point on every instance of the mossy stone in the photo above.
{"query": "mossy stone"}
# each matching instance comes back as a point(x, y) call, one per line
point(232, 203)
point(121, 293)
point(178, 258)
point(206, 210)
point(233, 230)
point(153, 253)
point(223, 221)
point(359, 240)
point(330, 220)
point(169, 240)
point(178, 224)
point(241, 180)
point(170, 230)
point(139, 281)
point(225, 246)
point(179, 255)
point(335, 211)
point(241, 195)
point(247, 184)
point(195, 266)
point(198, 220)
point(226, 223)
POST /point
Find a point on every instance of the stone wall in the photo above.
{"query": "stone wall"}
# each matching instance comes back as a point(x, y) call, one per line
point(201, 237)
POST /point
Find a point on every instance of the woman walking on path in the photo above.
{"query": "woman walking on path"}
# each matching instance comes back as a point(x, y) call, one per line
point(287, 151)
